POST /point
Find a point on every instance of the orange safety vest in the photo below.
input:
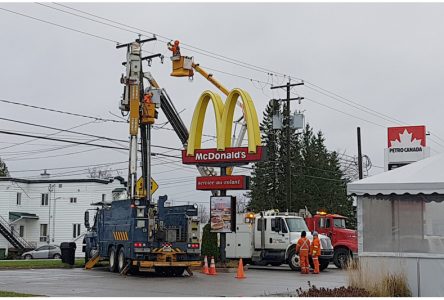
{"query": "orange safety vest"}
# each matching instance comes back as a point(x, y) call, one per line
point(315, 248)
point(303, 245)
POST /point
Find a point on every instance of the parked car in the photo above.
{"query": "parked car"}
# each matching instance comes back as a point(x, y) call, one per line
point(47, 251)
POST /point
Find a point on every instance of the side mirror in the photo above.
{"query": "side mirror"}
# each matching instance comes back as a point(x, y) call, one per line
point(86, 221)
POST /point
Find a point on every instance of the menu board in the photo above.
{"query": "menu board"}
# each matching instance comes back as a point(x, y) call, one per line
point(222, 213)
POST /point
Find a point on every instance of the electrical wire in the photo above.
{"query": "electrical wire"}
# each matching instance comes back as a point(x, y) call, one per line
point(61, 26)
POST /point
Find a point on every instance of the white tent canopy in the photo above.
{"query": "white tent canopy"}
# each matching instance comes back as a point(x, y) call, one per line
point(422, 177)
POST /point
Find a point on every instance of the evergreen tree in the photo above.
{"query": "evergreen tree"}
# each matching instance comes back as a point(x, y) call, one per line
point(317, 181)
point(3, 169)
point(209, 243)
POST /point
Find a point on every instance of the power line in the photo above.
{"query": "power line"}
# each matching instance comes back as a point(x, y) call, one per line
point(61, 26)
point(61, 111)
point(80, 143)
point(80, 133)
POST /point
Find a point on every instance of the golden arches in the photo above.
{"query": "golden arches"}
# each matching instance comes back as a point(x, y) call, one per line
point(224, 115)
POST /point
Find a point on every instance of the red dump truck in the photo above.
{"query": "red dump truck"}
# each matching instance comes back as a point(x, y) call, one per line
point(344, 241)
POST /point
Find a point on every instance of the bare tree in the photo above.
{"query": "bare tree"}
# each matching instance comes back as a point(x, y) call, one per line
point(100, 173)
point(241, 203)
point(204, 215)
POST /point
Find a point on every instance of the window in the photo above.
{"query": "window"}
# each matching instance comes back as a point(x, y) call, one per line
point(259, 224)
point(339, 223)
point(60, 185)
point(75, 230)
point(42, 248)
point(44, 201)
point(296, 225)
point(324, 223)
point(19, 199)
point(43, 232)
point(72, 200)
point(284, 226)
point(22, 231)
point(103, 197)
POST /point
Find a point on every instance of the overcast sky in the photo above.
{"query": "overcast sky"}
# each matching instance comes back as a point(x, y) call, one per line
point(386, 57)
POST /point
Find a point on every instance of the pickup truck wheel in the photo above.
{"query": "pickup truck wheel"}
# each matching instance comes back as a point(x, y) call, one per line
point(293, 260)
point(121, 260)
point(341, 258)
point(323, 264)
point(112, 260)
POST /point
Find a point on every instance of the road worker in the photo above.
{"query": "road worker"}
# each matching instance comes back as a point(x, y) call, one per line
point(315, 251)
point(303, 248)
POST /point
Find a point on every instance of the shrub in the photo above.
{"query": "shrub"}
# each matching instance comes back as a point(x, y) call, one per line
point(380, 284)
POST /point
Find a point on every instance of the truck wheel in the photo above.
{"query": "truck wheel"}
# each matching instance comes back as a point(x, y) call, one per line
point(323, 264)
point(112, 260)
point(121, 260)
point(341, 258)
point(293, 260)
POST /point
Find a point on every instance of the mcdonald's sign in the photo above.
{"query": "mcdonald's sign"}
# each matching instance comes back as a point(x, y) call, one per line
point(224, 114)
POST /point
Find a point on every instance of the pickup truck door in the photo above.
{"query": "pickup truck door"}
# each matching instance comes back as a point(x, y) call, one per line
point(277, 236)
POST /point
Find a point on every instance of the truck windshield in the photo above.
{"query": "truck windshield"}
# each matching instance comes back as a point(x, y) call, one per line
point(296, 224)
point(339, 223)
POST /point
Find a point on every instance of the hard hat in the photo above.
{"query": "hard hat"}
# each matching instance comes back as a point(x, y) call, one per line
point(315, 233)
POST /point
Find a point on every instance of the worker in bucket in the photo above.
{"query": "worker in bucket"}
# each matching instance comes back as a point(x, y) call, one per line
point(303, 249)
point(174, 47)
point(315, 251)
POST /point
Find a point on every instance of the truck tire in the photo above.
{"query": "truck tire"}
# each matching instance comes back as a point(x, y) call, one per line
point(293, 260)
point(112, 260)
point(323, 264)
point(341, 257)
point(121, 260)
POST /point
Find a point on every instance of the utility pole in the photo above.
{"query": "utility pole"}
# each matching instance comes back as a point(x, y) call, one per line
point(359, 154)
point(223, 235)
point(288, 87)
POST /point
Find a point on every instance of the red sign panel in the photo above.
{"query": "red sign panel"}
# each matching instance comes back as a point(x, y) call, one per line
point(238, 155)
point(406, 136)
point(234, 182)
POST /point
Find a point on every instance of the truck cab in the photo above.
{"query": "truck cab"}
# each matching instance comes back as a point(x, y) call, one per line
point(345, 241)
point(270, 238)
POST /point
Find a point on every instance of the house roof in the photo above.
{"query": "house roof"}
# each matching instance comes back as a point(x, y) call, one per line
point(423, 177)
point(13, 215)
point(55, 180)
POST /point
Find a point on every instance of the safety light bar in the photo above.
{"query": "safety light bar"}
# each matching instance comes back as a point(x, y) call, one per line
point(193, 246)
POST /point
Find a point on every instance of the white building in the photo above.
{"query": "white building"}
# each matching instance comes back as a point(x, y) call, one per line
point(401, 224)
point(52, 210)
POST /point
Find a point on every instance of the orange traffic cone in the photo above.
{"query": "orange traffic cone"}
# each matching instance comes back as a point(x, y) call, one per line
point(240, 270)
point(205, 267)
point(212, 270)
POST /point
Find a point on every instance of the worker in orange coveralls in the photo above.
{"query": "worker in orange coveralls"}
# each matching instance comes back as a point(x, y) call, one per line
point(315, 251)
point(303, 248)
point(174, 48)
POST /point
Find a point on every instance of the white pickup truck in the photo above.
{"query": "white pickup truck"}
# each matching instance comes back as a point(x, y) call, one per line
point(270, 237)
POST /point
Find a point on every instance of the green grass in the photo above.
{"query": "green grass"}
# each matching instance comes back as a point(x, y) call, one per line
point(37, 264)
point(14, 294)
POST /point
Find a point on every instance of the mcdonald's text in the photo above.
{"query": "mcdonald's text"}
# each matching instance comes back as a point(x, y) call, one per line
point(231, 156)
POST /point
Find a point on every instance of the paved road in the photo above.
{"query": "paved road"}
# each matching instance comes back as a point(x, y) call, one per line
point(101, 283)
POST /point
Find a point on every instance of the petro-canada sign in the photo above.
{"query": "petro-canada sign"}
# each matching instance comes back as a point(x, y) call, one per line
point(406, 144)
